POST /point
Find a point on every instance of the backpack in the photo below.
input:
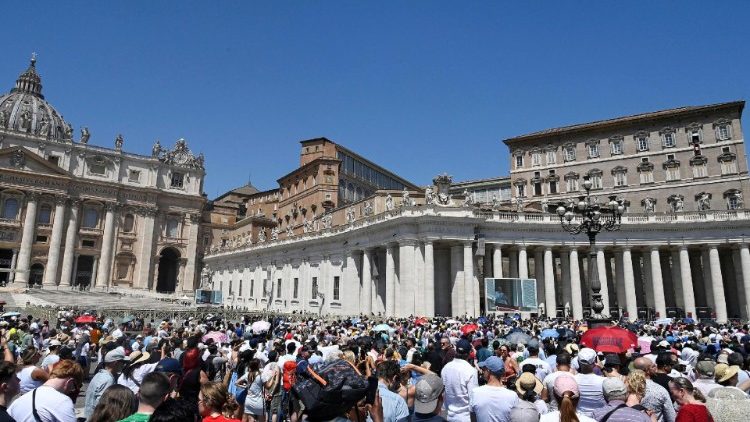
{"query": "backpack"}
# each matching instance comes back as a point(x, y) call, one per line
point(330, 391)
point(289, 376)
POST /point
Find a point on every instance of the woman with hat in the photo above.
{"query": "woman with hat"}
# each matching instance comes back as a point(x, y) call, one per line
point(31, 376)
point(141, 364)
point(529, 389)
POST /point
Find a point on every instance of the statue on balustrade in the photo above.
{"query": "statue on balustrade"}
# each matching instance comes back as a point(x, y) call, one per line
point(389, 202)
point(704, 201)
point(649, 204)
point(468, 199)
point(85, 135)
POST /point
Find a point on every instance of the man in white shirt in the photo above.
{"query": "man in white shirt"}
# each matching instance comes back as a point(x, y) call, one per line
point(459, 378)
point(542, 368)
point(53, 401)
point(589, 384)
point(563, 369)
point(492, 402)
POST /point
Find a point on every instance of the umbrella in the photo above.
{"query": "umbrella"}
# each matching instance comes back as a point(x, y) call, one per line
point(260, 327)
point(566, 333)
point(451, 321)
point(85, 319)
point(550, 333)
point(217, 336)
point(609, 339)
point(688, 320)
point(10, 314)
point(482, 320)
point(468, 328)
point(127, 318)
point(663, 321)
point(383, 327)
point(421, 321)
point(517, 337)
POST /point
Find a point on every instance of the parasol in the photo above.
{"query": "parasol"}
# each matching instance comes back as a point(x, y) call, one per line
point(468, 328)
point(10, 314)
point(85, 319)
point(517, 337)
point(383, 327)
point(217, 336)
point(609, 339)
point(260, 327)
point(421, 321)
point(550, 333)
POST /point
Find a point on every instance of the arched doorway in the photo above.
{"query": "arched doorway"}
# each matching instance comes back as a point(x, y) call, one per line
point(36, 274)
point(6, 259)
point(84, 272)
point(169, 261)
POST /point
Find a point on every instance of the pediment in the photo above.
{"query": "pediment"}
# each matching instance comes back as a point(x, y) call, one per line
point(21, 159)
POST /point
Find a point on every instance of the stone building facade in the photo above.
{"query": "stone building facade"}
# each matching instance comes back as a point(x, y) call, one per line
point(427, 251)
point(77, 215)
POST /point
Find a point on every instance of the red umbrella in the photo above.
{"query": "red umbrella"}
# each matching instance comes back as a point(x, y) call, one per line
point(85, 319)
point(468, 328)
point(609, 339)
point(421, 321)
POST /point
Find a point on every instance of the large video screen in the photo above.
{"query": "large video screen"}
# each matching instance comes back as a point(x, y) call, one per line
point(208, 297)
point(510, 295)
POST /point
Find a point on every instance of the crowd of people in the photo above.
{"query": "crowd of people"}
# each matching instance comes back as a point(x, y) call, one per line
point(368, 369)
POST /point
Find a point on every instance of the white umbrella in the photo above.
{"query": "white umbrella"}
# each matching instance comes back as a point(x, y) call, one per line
point(260, 327)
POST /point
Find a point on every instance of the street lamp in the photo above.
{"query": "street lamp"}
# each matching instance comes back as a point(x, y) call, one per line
point(593, 217)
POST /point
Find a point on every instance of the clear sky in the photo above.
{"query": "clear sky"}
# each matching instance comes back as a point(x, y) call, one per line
point(419, 87)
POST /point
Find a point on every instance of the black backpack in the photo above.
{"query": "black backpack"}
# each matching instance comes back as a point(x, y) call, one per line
point(331, 390)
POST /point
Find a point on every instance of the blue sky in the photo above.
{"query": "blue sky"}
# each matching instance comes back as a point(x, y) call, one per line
point(419, 87)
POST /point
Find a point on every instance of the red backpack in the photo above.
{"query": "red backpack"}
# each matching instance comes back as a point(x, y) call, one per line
point(290, 374)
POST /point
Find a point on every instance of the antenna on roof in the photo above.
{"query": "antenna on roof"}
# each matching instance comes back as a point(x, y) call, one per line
point(249, 174)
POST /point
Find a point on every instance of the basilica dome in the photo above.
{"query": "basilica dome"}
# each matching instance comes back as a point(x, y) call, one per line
point(25, 110)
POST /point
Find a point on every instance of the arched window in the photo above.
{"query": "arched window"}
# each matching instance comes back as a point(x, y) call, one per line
point(350, 192)
point(128, 223)
point(44, 215)
point(90, 218)
point(173, 226)
point(10, 209)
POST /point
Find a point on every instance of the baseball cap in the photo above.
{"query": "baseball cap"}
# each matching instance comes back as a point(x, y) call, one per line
point(612, 360)
point(494, 364)
point(115, 355)
point(463, 346)
point(54, 342)
point(664, 344)
point(614, 387)
point(527, 381)
point(169, 365)
point(522, 413)
point(723, 372)
point(565, 383)
point(587, 356)
point(705, 368)
point(428, 391)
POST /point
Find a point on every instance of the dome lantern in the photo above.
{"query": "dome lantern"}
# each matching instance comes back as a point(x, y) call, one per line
point(29, 81)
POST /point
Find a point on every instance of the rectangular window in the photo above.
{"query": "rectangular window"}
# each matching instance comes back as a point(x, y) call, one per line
point(672, 173)
point(728, 167)
point(54, 159)
point(295, 293)
point(537, 188)
point(536, 158)
point(616, 147)
point(572, 185)
point(88, 243)
point(551, 157)
point(669, 139)
point(699, 170)
point(552, 187)
point(570, 153)
point(521, 191)
point(240, 292)
point(278, 288)
point(724, 133)
point(695, 136)
point(336, 286)
point(315, 287)
point(621, 179)
point(98, 169)
point(41, 239)
point(670, 157)
point(177, 180)
point(596, 181)
point(593, 150)
point(647, 176)
point(519, 161)
point(134, 176)
point(642, 143)
point(733, 203)
point(252, 287)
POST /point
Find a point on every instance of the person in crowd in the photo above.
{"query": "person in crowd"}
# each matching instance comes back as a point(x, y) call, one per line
point(428, 401)
point(192, 376)
point(172, 369)
point(213, 401)
point(589, 384)
point(114, 361)
point(613, 367)
point(563, 369)
point(691, 401)
point(138, 366)
point(447, 353)
point(484, 350)
point(30, 375)
point(656, 398)
point(727, 376)
point(52, 356)
point(175, 411)
point(395, 408)
point(705, 382)
point(492, 401)
point(459, 378)
point(567, 395)
point(54, 400)
point(616, 394)
point(542, 367)
point(116, 403)
point(9, 387)
point(665, 361)
point(511, 365)
point(529, 388)
point(155, 389)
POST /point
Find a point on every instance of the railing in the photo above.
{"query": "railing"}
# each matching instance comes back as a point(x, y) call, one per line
point(10, 222)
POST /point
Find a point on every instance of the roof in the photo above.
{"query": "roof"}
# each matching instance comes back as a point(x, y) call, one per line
point(247, 189)
point(626, 119)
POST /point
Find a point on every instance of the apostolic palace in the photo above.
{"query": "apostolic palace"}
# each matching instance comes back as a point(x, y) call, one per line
point(341, 234)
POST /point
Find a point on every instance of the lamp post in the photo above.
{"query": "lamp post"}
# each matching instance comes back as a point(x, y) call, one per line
point(593, 218)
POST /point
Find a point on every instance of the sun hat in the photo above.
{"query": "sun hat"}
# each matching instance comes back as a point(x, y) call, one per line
point(527, 381)
point(723, 372)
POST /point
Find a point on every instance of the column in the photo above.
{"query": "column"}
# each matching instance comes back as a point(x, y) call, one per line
point(601, 266)
point(539, 275)
point(657, 283)
point(53, 259)
point(469, 278)
point(27, 240)
point(349, 285)
point(75, 269)
point(188, 279)
point(745, 262)
point(513, 271)
point(497, 261)
point(366, 301)
point(677, 280)
point(565, 278)
point(457, 285)
point(390, 282)
point(71, 242)
point(429, 279)
point(523, 262)
point(406, 277)
point(620, 282)
point(549, 284)
point(688, 295)
point(13, 259)
point(575, 286)
point(94, 270)
point(717, 285)
point(147, 248)
point(629, 279)
point(708, 289)
point(648, 285)
point(105, 260)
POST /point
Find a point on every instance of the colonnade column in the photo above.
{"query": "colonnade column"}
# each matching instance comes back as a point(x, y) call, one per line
point(66, 274)
point(105, 260)
point(27, 240)
point(469, 284)
point(745, 263)
point(13, 259)
point(575, 285)
point(549, 284)
point(147, 248)
point(406, 277)
point(539, 275)
point(349, 285)
point(429, 279)
point(523, 262)
point(513, 263)
point(390, 282)
point(458, 291)
point(657, 283)
point(601, 266)
point(717, 285)
point(497, 261)
point(686, 277)
point(53, 259)
point(366, 293)
point(629, 279)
